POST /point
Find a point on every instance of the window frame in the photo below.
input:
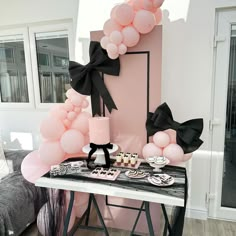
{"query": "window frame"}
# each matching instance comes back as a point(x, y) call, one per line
point(33, 49)
point(30, 88)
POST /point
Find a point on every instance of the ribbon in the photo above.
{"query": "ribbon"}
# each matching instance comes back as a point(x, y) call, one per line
point(87, 79)
point(187, 133)
point(104, 147)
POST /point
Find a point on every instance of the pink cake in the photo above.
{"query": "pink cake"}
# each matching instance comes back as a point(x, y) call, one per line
point(99, 130)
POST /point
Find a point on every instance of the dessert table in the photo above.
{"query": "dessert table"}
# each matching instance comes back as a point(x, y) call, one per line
point(137, 189)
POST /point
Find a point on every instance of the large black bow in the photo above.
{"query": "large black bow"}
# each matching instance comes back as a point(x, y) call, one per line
point(104, 147)
point(87, 79)
point(187, 133)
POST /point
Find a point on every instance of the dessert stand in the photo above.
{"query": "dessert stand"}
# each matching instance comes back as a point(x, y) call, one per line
point(100, 157)
point(153, 162)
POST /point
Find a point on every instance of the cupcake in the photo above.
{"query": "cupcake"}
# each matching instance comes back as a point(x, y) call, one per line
point(133, 161)
point(118, 159)
point(126, 160)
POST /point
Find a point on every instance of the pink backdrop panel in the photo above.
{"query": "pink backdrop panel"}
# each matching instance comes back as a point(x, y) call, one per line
point(133, 94)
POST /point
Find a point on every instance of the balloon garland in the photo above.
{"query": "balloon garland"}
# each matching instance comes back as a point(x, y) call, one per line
point(64, 133)
point(65, 130)
point(127, 21)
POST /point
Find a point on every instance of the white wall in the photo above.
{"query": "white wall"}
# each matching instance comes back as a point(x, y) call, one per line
point(28, 11)
point(188, 30)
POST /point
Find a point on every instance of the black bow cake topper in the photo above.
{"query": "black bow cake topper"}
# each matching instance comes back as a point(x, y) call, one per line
point(94, 148)
point(187, 133)
point(87, 79)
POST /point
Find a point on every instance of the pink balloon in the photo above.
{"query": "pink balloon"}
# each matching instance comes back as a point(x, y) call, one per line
point(111, 25)
point(76, 100)
point(116, 37)
point(113, 55)
point(122, 49)
point(148, 5)
point(130, 2)
point(81, 122)
point(51, 153)
point(68, 106)
point(113, 12)
point(161, 139)
point(172, 135)
point(158, 16)
point(174, 153)
point(124, 14)
point(78, 109)
point(32, 167)
point(85, 103)
point(67, 123)
point(150, 149)
point(130, 36)
point(187, 156)
point(59, 113)
point(68, 102)
point(72, 141)
point(70, 92)
point(137, 4)
point(71, 115)
point(144, 21)
point(42, 220)
point(51, 128)
point(157, 3)
point(112, 48)
point(104, 41)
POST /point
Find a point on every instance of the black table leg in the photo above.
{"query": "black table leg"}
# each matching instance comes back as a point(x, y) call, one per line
point(167, 224)
point(67, 220)
point(165, 229)
point(88, 210)
point(99, 214)
point(149, 219)
point(137, 218)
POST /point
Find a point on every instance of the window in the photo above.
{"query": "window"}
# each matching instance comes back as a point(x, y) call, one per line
point(53, 62)
point(14, 73)
point(35, 59)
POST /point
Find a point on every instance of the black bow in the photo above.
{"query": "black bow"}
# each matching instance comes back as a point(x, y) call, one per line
point(88, 81)
point(187, 133)
point(104, 147)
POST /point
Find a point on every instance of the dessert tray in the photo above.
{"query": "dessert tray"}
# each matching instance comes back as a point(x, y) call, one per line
point(127, 160)
point(106, 174)
point(136, 174)
point(161, 180)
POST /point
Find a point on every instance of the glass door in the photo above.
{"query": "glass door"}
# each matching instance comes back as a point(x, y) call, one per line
point(228, 195)
point(222, 196)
